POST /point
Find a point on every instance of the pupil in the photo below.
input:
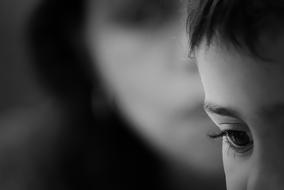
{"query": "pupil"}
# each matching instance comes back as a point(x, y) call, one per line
point(239, 138)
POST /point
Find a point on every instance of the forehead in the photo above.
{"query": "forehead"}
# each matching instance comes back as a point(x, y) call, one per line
point(237, 79)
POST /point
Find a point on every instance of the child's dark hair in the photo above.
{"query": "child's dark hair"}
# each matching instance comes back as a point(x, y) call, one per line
point(236, 22)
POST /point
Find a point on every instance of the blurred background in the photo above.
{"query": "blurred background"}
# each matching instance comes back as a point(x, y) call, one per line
point(27, 117)
point(138, 50)
point(18, 85)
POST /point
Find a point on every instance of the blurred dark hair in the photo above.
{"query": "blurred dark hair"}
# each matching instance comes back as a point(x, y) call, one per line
point(237, 22)
point(58, 48)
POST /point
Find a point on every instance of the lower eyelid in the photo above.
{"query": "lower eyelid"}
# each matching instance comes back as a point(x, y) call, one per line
point(229, 148)
point(237, 152)
point(226, 145)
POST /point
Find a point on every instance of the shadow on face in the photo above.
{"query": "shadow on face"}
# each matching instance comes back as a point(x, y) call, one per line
point(141, 49)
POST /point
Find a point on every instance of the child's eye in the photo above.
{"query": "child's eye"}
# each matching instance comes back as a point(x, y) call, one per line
point(239, 141)
point(145, 13)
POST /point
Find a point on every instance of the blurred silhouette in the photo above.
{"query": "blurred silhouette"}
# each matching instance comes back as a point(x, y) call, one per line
point(120, 104)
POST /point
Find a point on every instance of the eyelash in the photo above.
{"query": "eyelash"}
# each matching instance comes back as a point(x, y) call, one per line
point(226, 134)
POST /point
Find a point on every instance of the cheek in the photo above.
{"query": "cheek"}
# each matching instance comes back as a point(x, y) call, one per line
point(132, 64)
point(236, 170)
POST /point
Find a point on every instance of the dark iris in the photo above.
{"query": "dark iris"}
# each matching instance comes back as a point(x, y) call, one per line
point(239, 141)
point(239, 138)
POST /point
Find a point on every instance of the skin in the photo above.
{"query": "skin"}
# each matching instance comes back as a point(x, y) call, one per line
point(146, 71)
point(246, 94)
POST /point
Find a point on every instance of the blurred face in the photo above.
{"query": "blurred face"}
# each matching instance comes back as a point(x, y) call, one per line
point(141, 53)
point(245, 99)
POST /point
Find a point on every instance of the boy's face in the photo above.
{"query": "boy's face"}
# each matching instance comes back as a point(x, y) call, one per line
point(245, 99)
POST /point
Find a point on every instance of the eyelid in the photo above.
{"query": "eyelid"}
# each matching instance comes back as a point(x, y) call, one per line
point(220, 119)
point(237, 126)
point(230, 123)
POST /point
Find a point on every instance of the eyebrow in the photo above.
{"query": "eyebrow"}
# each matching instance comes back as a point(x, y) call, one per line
point(274, 111)
point(219, 110)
